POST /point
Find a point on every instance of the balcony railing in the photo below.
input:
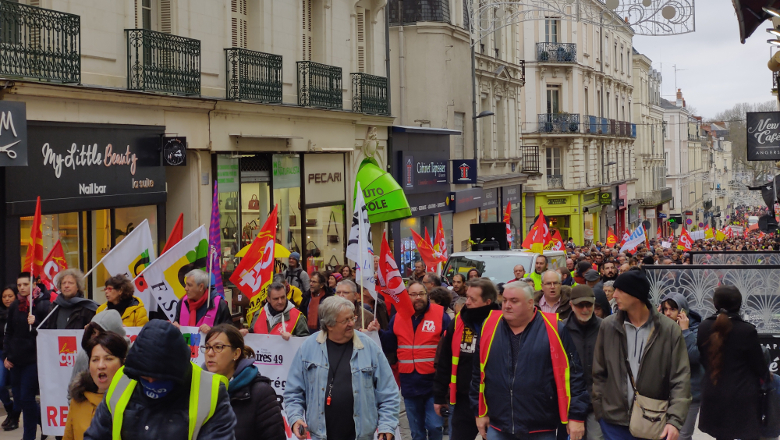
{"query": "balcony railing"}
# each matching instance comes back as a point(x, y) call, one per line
point(159, 62)
point(556, 52)
point(319, 85)
point(420, 10)
point(39, 43)
point(649, 198)
point(666, 194)
point(559, 123)
point(555, 181)
point(613, 130)
point(530, 159)
point(369, 94)
point(253, 76)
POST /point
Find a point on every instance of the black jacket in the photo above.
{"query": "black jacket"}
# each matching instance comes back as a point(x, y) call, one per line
point(730, 408)
point(3, 320)
point(256, 405)
point(160, 352)
point(584, 338)
point(223, 312)
point(81, 315)
point(19, 345)
point(472, 326)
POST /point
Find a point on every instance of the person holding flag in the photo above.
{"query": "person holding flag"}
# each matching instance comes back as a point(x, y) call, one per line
point(201, 308)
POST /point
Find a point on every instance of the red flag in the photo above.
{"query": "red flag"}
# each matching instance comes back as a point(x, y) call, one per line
point(428, 238)
point(426, 251)
point(557, 241)
point(439, 242)
point(508, 221)
point(33, 260)
point(659, 233)
point(538, 235)
point(611, 237)
point(253, 275)
point(625, 238)
point(390, 282)
point(176, 234)
point(53, 264)
point(685, 242)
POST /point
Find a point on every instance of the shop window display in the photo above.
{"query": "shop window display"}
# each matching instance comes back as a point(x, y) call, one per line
point(488, 215)
point(325, 238)
point(409, 253)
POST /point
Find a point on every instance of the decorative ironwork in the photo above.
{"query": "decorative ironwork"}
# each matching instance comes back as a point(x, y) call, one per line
point(554, 181)
point(556, 52)
point(757, 283)
point(559, 123)
point(319, 85)
point(159, 62)
point(39, 43)
point(253, 76)
point(420, 10)
point(735, 257)
point(369, 94)
point(530, 159)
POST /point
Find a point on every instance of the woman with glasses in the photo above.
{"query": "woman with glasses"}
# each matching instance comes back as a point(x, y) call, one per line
point(119, 296)
point(254, 401)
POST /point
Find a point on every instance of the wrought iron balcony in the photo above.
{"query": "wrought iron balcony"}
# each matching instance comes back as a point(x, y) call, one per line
point(591, 124)
point(613, 130)
point(559, 123)
point(39, 43)
point(253, 76)
point(159, 62)
point(319, 85)
point(420, 10)
point(554, 181)
point(530, 157)
point(369, 94)
point(649, 198)
point(556, 52)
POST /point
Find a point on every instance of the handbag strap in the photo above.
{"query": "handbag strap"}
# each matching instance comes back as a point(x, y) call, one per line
point(333, 257)
point(333, 217)
point(229, 220)
point(315, 245)
point(631, 376)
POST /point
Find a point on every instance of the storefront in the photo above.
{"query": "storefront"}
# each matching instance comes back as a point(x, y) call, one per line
point(591, 207)
point(489, 210)
point(97, 182)
point(621, 207)
point(563, 214)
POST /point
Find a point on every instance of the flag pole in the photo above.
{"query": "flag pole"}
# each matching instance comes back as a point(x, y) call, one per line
point(211, 265)
point(360, 263)
point(32, 285)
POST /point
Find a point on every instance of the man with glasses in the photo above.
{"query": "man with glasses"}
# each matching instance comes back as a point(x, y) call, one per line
point(415, 339)
point(278, 316)
point(348, 290)
point(583, 326)
point(553, 297)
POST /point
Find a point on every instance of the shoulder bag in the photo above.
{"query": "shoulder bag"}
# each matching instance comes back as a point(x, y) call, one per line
point(229, 230)
point(254, 203)
point(332, 238)
point(314, 252)
point(648, 416)
point(331, 266)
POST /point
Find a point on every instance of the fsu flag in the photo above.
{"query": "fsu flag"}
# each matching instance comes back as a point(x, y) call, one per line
point(508, 222)
point(33, 260)
point(439, 242)
point(634, 239)
point(426, 251)
point(390, 282)
point(52, 265)
point(611, 237)
point(539, 235)
point(685, 242)
point(255, 272)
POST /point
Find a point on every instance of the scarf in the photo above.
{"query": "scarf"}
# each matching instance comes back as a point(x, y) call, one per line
point(314, 306)
point(194, 306)
point(121, 306)
point(24, 303)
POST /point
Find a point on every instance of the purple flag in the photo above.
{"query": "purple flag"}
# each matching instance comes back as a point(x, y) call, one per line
point(215, 246)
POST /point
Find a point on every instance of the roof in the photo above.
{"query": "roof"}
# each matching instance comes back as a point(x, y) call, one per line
point(668, 104)
point(750, 16)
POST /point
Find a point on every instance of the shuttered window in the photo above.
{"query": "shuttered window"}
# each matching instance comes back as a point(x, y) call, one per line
point(306, 30)
point(238, 22)
point(361, 18)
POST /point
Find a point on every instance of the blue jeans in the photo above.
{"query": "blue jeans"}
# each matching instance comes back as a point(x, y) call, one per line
point(615, 432)
point(424, 423)
point(5, 396)
point(494, 434)
point(24, 382)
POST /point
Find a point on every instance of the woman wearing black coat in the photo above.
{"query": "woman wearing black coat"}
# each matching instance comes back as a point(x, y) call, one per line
point(734, 368)
point(254, 401)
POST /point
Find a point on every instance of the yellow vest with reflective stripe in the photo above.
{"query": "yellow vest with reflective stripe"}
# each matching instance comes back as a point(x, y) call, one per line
point(204, 390)
point(537, 277)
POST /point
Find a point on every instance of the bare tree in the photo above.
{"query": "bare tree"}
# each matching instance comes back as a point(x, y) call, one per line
point(735, 120)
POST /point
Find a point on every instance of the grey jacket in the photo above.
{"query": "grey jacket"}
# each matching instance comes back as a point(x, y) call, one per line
point(110, 321)
point(664, 372)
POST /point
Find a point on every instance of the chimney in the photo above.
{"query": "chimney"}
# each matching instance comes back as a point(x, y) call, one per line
point(680, 101)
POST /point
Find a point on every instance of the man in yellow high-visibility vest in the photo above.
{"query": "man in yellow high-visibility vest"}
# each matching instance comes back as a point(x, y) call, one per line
point(160, 394)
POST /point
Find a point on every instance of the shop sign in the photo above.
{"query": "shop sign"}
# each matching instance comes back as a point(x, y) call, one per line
point(511, 194)
point(13, 134)
point(763, 136)
point(73, 167)
point(650, 213)
point(324, 179)
point(633, 213)
point(490, 199)
point(227, 176)
point(464, 171)
point(175, 151)
point(557, 200)
point(589, 197)
point(429, 203)
point(605, 198)
point(467, 199)
point(384, 197)
point(423, 172)
point(661, 215)
point(287, 171)
point(771, 343)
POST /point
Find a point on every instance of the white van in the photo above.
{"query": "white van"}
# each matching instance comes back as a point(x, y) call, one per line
point(752, 220)
point(498, 265)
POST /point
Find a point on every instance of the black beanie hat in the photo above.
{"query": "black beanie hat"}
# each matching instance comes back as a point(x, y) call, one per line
point(635, 283)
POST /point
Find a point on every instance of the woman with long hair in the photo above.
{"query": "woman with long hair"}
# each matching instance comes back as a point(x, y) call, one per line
point(734, 368)
point(12, 421)
point(70, 310)
point(107, 352)
point(254, 401)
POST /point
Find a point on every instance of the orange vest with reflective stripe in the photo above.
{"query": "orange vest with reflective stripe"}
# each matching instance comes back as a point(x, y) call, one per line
point(457, 336)
point(417, 349)
point(261, 325)
point(560, 360)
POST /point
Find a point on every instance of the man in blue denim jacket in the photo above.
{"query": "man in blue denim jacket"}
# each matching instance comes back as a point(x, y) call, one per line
point(320, 385)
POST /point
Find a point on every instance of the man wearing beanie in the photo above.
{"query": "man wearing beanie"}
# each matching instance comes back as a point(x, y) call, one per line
point(294, 274)
point(151, 396)
point(639, 351)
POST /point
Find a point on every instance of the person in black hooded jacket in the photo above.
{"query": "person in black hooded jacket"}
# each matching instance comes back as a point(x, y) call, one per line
point(158, 366)
point(481, 298)
point(254, 401)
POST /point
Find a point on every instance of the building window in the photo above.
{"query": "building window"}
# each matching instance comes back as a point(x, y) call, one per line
point(553, 99)
point(362, 29)
point(551, 26)
point(238, 23)
point(553, 161)
point(458, 141)
point(585, 96)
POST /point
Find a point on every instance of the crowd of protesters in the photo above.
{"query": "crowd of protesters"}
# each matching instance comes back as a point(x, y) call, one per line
point(568, 353)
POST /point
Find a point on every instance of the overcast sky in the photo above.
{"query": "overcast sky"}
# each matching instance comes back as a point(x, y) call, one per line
point(714, 70)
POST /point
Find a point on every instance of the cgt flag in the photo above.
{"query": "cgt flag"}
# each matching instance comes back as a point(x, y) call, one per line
point(611, 237)
point(427, 253)
point(439, 242)
point(508, 222)
point(539, 235)
point(52, 265)
point(256, 270)
point(33, 260)
point(685, 242)
point(557, 242)
point(390, 282)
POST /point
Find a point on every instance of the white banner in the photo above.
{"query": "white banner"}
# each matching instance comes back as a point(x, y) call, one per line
point(359, 247)
point(131, 255)
point(57, 350)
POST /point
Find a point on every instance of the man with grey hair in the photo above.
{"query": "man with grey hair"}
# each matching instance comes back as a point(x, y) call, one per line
point(199, 308)
point(340, 385)
point(347, 289)
point(278, 316)
point(554, 297)
point(70, 310)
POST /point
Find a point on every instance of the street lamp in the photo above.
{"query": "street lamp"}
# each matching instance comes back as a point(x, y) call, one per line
point(483, 113)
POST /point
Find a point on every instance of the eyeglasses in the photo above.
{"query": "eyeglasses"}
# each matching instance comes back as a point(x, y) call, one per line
point(348, 320)
point(216, 347)
point(554, 283)
point(584, 305)
point(417, 295)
